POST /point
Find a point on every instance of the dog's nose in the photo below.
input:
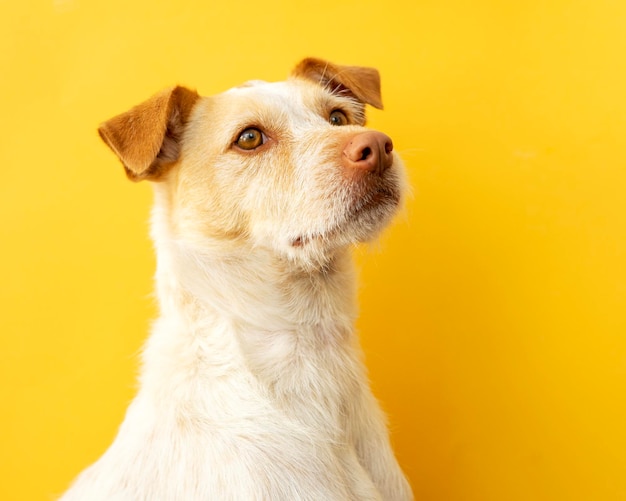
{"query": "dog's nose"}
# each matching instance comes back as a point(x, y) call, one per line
point(368, 151)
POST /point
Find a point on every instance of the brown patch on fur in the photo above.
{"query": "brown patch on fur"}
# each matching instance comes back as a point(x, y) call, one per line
point(359, 82)
point(147, 137)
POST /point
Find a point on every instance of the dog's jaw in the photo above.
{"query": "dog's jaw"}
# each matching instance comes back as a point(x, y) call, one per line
point(366, 215)
point(266, 289)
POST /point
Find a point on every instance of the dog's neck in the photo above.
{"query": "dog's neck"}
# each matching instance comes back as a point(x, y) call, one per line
point(253, 287)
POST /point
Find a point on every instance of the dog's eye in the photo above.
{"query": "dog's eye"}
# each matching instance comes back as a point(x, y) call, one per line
point(250, 139)
point(338, 117)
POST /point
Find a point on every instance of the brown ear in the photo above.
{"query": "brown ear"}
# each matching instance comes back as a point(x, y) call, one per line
point(362, 83)
point(147, 137)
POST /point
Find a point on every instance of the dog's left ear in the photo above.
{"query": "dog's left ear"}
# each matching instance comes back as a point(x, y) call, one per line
point(362, 83)
point(147, 138)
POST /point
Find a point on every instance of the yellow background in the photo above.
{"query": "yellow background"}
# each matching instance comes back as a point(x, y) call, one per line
point(493, 317)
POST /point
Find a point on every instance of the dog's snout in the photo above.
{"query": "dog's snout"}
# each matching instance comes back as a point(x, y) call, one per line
point(368, 151)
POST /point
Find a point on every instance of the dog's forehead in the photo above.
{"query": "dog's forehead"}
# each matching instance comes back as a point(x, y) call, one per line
point(251, 83)
point(286, 94)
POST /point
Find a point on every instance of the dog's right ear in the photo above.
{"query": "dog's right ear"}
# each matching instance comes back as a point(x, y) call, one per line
point(147, 137)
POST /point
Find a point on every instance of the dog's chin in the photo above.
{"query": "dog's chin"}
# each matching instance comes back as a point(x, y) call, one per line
point(363, 220)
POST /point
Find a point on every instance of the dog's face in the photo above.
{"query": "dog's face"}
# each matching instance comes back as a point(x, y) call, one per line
point(286, 166)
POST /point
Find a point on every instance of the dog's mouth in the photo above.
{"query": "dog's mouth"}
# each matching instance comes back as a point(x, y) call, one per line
point(381, 201)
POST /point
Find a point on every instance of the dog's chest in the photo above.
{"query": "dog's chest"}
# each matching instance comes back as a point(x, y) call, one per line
point(306, 376)
point(311, 374)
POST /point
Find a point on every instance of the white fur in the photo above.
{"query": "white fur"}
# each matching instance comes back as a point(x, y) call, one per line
point(253, 385)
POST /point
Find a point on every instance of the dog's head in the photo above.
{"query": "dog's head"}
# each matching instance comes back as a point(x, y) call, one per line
point(286, 166)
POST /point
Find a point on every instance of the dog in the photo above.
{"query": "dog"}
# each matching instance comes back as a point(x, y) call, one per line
point(252, 384)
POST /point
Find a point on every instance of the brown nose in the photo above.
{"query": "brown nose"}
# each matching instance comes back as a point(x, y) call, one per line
point(368, 151)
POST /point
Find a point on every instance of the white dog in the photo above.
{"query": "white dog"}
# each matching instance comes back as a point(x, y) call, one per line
point(253, 385)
